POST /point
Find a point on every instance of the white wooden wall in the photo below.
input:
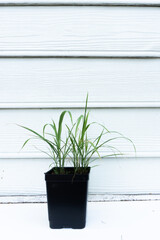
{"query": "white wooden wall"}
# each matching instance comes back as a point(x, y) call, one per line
point(51, 54)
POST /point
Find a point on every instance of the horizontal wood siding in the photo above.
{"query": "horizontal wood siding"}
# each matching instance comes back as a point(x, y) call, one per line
point(51, 81)
point(81, 29)
point(141, 125)
point(110, 177)
point(51, 54)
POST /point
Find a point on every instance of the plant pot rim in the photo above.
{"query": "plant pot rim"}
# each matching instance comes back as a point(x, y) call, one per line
point(70, 177)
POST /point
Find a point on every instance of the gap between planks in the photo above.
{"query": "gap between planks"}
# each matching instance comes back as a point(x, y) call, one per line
point(79, 54)
point(150, 3)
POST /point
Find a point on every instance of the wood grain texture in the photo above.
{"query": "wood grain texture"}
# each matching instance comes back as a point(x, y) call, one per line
point(79, 29)
point(60, 83)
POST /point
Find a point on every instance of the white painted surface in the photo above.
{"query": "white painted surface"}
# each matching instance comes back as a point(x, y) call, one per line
point(121, 175)
point(50, 57)
point(145, 134)
point(91, 198)
point(112, 176)
point(77, 105)
point(49, 82)
point(79, 28)
point(114, 221)
point(79, 54)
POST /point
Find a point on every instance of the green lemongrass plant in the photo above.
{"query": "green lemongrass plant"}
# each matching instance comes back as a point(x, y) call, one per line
point(58, 148)
point(83, 148)
point(76, 146)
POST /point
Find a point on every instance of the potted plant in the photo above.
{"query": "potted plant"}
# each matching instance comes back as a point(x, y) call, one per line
point(67, 181)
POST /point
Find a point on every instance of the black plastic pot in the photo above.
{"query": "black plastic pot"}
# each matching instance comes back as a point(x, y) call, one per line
point(67, 199)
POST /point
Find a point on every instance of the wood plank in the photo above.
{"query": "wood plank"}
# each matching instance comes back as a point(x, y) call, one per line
point(79, 29)
point(122, 175)
point(110, 177)
point(48, 83)
point(141, 125)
